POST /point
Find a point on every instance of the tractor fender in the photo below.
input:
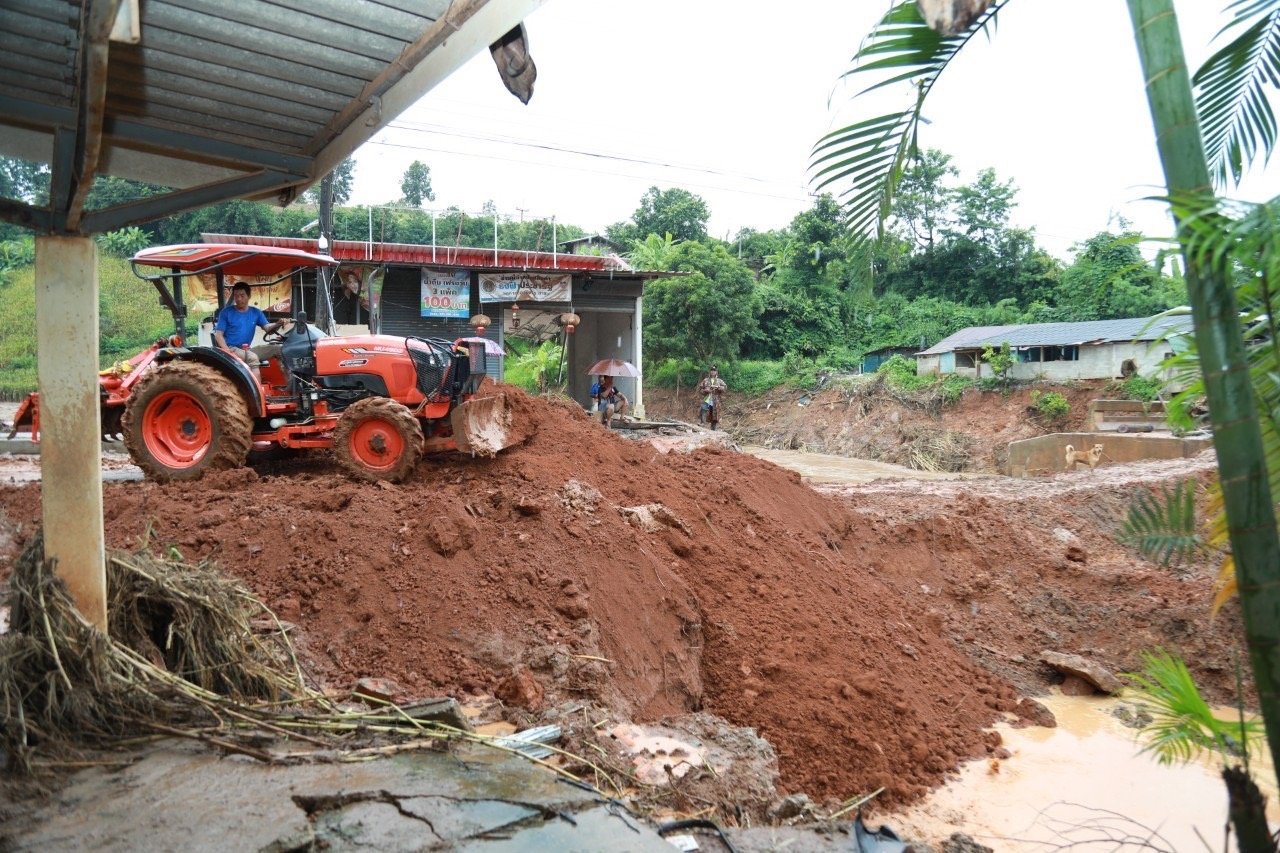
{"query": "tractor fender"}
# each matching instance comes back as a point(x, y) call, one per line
point(228, 365)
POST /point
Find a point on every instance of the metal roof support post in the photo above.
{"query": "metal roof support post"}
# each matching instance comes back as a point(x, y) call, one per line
point(433, 236)
point(495, 239)
point(555, 248)
point(324, 275)
point(70, 419)
point(637, 356)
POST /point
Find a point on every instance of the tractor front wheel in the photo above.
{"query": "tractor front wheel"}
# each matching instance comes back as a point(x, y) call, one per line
point(186, 418)
point(378, 439)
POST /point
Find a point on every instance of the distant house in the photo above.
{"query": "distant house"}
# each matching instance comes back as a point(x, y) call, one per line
point(592, 241)
point(1097, 349)
point(871, 361)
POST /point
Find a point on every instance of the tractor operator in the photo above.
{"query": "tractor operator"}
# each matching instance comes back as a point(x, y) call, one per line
point(713, 386)
point(236, 324)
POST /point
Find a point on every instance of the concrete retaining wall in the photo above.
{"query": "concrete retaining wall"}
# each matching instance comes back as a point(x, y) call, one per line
point(1111, 415)
point(1046, 454)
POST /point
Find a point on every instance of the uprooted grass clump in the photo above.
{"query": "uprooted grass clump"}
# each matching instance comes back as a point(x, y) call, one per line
point(190, 653)
point(182, 640)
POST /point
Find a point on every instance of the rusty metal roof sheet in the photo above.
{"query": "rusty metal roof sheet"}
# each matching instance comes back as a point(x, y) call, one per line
point(233, 99)
point(354, 251)
point(1064, 334)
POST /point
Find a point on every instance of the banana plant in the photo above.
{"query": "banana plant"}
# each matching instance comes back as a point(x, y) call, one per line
point(867, 159)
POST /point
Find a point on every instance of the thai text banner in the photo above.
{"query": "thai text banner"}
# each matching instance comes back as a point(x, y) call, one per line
point(445, 293)
point(524, 287)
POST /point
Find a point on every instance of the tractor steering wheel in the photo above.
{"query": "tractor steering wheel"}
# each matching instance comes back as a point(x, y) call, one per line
point(278, 336)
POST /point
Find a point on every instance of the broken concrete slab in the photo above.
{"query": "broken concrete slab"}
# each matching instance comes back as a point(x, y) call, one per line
point(1082, 668)
point(177, 795)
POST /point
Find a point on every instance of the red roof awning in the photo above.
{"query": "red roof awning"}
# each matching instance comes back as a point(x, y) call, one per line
point(352, 251)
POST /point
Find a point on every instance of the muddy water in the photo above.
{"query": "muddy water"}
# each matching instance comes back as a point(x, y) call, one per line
point(1083, 783)
point(822, 468)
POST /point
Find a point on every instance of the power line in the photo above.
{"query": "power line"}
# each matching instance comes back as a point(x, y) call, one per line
point(444, 130)
point(797, 198)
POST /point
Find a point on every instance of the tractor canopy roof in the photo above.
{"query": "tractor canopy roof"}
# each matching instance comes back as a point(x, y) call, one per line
point(232, 258)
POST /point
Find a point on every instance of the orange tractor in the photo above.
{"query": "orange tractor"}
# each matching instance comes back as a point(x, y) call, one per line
point(378, 401)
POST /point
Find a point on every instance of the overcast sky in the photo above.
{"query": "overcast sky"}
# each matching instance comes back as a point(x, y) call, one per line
point(726, 98)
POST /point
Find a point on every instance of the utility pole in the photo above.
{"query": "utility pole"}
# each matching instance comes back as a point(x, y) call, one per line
point(324, 275)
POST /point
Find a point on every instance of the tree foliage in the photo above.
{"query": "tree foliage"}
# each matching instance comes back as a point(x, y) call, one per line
point(677, 212)
point(706, 313)
point(415, 185)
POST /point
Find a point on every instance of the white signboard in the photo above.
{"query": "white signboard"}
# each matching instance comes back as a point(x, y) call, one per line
point(524, 287)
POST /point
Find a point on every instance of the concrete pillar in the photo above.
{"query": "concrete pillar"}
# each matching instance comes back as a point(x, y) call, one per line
point(638, 357)
point(70, 419)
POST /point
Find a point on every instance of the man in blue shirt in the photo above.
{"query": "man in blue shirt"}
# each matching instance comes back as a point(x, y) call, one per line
point(237, 323)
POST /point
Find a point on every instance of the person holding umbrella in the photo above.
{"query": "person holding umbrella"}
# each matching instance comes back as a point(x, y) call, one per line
point(613, 403)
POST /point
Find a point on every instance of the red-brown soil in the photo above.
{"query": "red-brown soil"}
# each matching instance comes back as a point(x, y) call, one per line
point(871, 634)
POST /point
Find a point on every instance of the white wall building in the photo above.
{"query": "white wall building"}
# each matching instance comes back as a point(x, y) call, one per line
point(1093, 350)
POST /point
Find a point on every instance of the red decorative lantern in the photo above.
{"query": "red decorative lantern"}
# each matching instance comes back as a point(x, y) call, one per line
point(515, 315)
point(480, 322)
point(570, 322)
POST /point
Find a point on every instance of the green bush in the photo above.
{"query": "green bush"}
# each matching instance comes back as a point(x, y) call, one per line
point(130, 319)
point(747, 377)
point(671, 372)
point(800, 371)
point(1144, 388)
point(1051, 405)
point(754, 377)
point(953, 386)
point(900, 372)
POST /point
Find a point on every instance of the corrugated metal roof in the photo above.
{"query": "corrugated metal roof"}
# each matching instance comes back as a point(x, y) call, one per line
point(353, 251)
point(1062, 334)
point(233, 99)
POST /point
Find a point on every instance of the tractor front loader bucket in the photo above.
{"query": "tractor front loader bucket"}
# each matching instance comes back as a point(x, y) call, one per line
point(482, 426)
point(28, 417)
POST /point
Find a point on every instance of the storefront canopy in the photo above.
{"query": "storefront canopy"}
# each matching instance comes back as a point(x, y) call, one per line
point(236, 99)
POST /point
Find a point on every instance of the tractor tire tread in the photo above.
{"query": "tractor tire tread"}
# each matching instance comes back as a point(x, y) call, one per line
point(388, 410)
point(233, 427)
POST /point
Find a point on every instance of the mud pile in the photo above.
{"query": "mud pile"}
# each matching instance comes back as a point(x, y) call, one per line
point(582, 565)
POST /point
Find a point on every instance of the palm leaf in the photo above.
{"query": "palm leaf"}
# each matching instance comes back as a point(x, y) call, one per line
point(1236, 119)
point(868, 156)
point(1245, 237)
point(1163, 529)
point(1183, 724)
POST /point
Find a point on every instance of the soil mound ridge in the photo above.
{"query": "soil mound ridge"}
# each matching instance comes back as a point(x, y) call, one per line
point(523, 575)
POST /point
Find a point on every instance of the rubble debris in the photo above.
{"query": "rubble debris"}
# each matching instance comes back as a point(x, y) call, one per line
point(1032, 713)
point(529, 741)
point(1085, 670)
point(377, 689)
point(651, 518)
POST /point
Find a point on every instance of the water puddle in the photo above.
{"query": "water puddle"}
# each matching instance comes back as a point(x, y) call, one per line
point(1082, 785)
point(824, 468)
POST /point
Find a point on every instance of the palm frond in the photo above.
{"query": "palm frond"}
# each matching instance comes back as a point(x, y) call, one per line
point(1236, 119)
point(1245, 238)
point(1163, 528)
point(868, 156)
point(1183, 724)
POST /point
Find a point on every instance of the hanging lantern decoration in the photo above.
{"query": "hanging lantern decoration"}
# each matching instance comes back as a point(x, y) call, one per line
point(480, 322)
point(570, 322)
point(515, 315)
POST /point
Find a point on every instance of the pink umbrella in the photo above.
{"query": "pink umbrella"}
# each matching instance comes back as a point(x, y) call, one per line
point(613, 367)
point(490, 347)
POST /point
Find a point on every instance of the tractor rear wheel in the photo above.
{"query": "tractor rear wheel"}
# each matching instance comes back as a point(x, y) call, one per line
point(378, 439)
point(186, 418)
